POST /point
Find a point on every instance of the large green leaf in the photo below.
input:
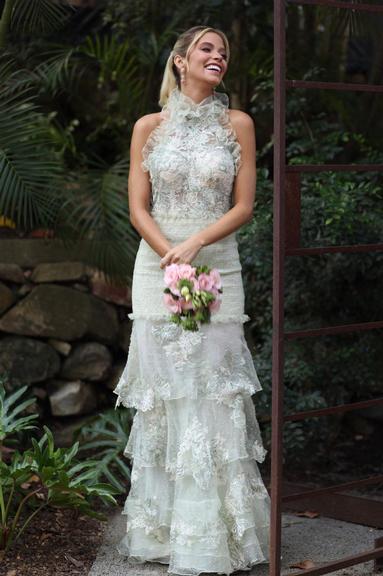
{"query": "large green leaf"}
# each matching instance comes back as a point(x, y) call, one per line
point(40, 16)
point(10, 406)
point(109, 433)
point(95, 209)
point(30, 170)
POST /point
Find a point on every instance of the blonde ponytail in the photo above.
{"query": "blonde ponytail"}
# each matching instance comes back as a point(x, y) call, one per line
point(184, 44)
point(169, 80)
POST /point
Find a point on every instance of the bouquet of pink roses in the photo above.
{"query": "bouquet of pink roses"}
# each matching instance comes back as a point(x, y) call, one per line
point(192, 294)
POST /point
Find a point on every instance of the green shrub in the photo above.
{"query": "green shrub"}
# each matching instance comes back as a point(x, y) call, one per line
point(109, 433)
point(41, 475)
point(337, 208)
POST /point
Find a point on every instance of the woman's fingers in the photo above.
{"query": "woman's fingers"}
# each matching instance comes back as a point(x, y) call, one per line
point(173, 257)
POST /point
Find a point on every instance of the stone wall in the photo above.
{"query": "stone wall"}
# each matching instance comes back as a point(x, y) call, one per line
point(63, 330)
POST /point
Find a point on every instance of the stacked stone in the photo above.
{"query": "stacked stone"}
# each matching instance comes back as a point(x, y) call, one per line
point(64, 330)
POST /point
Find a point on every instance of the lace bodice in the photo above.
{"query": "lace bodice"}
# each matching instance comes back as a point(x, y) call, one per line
point(192, 157)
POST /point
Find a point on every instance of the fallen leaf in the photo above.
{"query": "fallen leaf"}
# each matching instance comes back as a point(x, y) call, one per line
point(308, 514)
point(77, 563)
point(34, 478)
point(305, 564)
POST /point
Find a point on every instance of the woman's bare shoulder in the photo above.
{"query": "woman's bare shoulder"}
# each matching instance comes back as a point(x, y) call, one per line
point(147, 122)
point(241, 119)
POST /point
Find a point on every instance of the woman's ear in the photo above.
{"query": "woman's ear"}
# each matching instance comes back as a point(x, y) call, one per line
point(178, 61)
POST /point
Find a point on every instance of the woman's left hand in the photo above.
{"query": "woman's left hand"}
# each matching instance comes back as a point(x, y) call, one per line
point(183, 253)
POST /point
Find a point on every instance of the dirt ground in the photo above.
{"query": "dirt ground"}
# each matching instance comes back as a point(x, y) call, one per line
point(57, 542)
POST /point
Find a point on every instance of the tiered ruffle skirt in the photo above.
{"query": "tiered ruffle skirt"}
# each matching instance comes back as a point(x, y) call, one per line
point(197, 501)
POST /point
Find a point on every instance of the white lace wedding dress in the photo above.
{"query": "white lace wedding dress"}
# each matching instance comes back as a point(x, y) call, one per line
point(197, 500)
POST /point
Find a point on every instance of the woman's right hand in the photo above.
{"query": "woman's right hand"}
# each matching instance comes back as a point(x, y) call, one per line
point(183, 253)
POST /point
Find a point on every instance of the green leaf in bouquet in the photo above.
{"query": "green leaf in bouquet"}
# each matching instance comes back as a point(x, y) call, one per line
point(196, 300)
point(203, 269)
point(185, 282)
point(189, 324)
point(207, 297)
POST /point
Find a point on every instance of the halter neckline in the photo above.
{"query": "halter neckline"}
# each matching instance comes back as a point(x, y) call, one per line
point(184, 107)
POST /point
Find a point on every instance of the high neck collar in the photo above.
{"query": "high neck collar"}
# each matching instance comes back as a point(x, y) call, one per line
point(182, 107)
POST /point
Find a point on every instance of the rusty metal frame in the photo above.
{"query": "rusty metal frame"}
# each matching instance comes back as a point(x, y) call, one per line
point(286, 235)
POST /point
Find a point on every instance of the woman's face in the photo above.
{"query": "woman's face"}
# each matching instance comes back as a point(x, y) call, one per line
point(207, 60)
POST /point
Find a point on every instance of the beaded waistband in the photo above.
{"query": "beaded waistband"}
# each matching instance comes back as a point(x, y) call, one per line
point(185, 218)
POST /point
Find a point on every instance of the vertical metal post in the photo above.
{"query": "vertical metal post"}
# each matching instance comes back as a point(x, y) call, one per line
point(278, 285)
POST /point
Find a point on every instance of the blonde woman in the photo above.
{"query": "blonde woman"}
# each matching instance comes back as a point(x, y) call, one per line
point(197, 501)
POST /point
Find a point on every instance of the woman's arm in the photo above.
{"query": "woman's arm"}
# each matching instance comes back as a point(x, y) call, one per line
point(243, 197)
point(139, 187)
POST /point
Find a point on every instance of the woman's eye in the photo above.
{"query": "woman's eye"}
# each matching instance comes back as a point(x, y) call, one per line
point(224, 56)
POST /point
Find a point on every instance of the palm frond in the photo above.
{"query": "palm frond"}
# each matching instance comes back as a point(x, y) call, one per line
point(113, 62)
point(96, 209)
point(110, 53)
point(29, 167)
point(60, 69)
point(40, 16)
point(12, 77)
point(118, 68)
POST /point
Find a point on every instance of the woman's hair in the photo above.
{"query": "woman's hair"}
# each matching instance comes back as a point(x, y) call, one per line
point(184, 44)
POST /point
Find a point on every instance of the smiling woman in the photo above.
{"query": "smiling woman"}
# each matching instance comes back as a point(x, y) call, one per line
point(197, 500)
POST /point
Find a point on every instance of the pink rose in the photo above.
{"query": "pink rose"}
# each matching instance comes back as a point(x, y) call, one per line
point(171, 278)
point(205, 282)
point(186, 305)
point(216, 278)
point(196, 285)
point(186, 271)
point(172, 304)
point(215, 305)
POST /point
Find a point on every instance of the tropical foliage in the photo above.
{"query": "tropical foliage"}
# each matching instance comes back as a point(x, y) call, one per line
point(41, 475)
point(337, 208)
point(109, 433)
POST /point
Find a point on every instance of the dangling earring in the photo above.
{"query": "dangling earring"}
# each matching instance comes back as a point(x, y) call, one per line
point(183, 79)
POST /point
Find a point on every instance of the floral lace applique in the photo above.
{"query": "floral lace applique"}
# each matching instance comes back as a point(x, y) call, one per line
point(233, 376)
point(223, 524)
point(165, 332)
point(237, 413)
point(136, 394)
point(229, 378)
point(179, 344)
point(210, 533)
point(220, 453)
point(239, 502)
point(192, 157)
point(148, 437)
point(258, 451)
point(194, 454)
point(145, 514)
